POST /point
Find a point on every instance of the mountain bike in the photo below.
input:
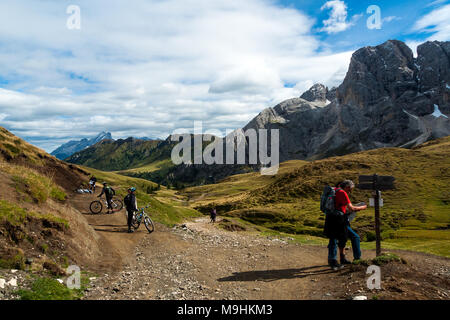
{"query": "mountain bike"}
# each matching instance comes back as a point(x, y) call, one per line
point(96, 206)
point(140, 216)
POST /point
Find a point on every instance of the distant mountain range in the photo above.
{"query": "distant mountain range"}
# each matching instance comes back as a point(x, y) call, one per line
point(387, 99)
point(69, 148)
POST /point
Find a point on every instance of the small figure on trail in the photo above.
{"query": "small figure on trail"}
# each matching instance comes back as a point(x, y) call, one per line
point(337, 226)
point(92, 182)
point(213, 215)
point(131, 206)
point(109, 193)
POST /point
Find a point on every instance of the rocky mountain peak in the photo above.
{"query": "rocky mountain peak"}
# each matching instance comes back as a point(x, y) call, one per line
point(317, 92)
point(388, 98)
point(73, 146)
point(102, 136)
point(433, 63)
point(386, 70)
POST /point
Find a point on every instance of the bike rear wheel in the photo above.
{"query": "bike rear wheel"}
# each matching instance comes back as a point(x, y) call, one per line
point(134, 222)
point(96, 207)
point(149, 224)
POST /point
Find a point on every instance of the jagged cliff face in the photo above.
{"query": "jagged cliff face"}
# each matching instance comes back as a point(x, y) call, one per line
point(387, 99)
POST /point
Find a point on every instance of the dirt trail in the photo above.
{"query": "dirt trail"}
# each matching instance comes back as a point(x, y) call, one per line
point(201, 261)
point(117, 245)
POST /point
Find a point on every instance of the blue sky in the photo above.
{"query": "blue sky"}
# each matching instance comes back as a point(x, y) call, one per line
point(405, 14)
point(147, 68)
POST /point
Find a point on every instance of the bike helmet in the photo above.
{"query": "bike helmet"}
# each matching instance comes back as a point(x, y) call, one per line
point(132, 189)
point(105, 183)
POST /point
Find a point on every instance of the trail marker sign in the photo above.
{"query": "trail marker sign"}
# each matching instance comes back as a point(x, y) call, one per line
point(376, 183)
point(372, 202)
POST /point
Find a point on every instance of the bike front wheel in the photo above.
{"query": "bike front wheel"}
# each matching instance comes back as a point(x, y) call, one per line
point(149, 224)
point(96, 207)
point(117, 204)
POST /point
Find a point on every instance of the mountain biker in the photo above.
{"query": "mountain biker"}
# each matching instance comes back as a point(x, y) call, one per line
point(109, 193)
point(131, 206)
point(342, 229)
point(92, 182)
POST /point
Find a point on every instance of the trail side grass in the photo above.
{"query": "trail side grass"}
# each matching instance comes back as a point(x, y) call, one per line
point(32, 185)
point(17, 216)
point(13, 147)
point(48, 288)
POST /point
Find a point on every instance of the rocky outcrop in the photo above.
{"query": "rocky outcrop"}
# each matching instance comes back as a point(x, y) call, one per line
point(387, 99)
point(317, 92)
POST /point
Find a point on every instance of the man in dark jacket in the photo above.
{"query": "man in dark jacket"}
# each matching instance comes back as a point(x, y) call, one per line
point(109, 193)
point(213, 215)
point(131, 206)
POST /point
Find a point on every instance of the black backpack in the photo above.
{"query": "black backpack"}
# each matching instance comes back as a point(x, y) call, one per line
point(127, 200)
point(109, 191)
point(327, 200)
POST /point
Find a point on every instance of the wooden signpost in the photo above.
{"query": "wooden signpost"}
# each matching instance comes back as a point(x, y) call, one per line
point(376, 183)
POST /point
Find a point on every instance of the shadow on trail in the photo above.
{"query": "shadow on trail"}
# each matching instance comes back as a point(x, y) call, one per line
point(118, 230)
point(273, 275)
point(108, 225)
point(99, 214)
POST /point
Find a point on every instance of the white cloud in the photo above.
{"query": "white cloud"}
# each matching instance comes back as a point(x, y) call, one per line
point(144, 68)
point(337, 22)
point(436, 22)
point(390, 18)
point(436, 2)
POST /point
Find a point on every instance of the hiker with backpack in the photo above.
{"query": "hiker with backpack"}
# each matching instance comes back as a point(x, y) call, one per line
point(336, 204)
point(131, 206)
point(109, 193)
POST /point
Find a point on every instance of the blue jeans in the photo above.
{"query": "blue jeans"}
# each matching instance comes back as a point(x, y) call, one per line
point(333, 244)
point(355, 240)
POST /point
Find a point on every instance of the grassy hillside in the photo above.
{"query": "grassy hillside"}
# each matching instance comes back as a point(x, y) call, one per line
point(36, 221)
point(416, 215)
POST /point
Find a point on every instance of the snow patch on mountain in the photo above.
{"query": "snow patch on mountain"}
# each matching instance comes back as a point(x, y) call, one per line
point(437, 113)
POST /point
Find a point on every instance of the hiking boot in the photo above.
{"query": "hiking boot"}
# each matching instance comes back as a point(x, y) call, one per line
point(344, 261)
point(335, 265)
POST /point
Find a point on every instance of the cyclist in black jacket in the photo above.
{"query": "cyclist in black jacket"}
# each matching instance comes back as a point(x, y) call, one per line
point(131, 206)
point(109, 193)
